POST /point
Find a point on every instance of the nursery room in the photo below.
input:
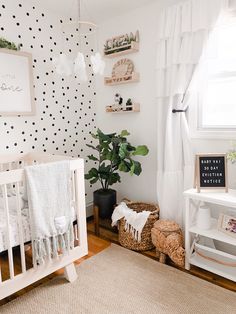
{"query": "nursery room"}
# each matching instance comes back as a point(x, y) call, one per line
point(118, 156)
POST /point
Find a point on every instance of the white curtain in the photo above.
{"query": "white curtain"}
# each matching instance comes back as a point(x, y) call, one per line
point(183, 32)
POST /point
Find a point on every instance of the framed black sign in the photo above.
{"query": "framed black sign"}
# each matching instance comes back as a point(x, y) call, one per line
point(211, 172)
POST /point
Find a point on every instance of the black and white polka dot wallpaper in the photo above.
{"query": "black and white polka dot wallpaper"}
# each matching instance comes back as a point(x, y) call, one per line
point(65, 108)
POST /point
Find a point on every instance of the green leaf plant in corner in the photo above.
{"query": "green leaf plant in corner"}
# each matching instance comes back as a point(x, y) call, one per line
point(112, 154)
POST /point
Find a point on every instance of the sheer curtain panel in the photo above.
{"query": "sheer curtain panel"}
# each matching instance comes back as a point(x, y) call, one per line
point(183, 31)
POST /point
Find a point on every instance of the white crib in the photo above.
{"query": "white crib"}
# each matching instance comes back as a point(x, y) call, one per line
point(12, 176)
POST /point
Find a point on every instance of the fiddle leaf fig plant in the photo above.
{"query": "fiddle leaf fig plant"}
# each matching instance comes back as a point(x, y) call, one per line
point(113, 154)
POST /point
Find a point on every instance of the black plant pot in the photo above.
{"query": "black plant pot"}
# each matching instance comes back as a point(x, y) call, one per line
point(105, 200)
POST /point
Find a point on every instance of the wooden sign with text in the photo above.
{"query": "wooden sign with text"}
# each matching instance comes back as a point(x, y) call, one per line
point(211, 172)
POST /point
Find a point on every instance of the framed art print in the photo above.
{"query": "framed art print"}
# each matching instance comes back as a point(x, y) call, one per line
point(16, 83)
point(227, 224)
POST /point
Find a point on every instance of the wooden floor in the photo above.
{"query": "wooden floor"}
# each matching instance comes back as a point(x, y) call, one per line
point(96, 245)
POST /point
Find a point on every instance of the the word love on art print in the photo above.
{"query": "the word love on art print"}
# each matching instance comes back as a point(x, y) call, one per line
point(16, 83)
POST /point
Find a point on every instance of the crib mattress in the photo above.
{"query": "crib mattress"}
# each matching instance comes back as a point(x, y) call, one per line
point(14, 229)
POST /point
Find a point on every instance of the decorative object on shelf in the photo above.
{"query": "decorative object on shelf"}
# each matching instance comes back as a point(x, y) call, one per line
point(16, 83)
point(167, 237)
point(203, 217)
point(114, 154)
point(122, 44)
point(135, 221)
point(211, 172)
point(135, 107)
point(123, 67)
point(118, 102)
point(64, 65)
point(4, 43)
point(117, 106)
point(129, 105)
point(227, 224)
point(122, 72)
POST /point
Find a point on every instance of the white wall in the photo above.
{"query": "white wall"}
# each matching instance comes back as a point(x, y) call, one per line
point(143, 125)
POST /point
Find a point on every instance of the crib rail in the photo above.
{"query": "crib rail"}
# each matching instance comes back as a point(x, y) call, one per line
point(13, 180)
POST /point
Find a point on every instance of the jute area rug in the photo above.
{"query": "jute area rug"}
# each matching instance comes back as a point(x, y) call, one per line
point(120, 281)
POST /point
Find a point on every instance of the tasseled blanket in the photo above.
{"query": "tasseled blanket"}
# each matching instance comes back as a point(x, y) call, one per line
point(134, 222)
point(51, 215)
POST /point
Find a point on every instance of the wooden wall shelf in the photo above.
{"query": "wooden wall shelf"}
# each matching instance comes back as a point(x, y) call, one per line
point(109, 81)
point(127, 49)
point(135, 108)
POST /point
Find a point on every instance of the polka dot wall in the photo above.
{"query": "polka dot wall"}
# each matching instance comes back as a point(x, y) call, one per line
point(65, 108)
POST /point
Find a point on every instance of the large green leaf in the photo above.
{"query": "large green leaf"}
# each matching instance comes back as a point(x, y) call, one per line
point(137, 168)
point(123, 167)
point(103, 137)
point(92, 157)
point(93, 180)
point(91, 146)
point(93, 173)
point(124, 133)
point(123, 151)
point(141, 150)
point(113, 178)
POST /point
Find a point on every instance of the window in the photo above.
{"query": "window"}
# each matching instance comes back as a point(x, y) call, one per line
point(215, 113)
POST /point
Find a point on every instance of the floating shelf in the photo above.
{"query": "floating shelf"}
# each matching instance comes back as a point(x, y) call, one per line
point(127, 49)
point(131, 78)
point(134, 108)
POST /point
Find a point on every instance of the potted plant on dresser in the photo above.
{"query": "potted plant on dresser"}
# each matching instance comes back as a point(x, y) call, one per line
point(114, 154)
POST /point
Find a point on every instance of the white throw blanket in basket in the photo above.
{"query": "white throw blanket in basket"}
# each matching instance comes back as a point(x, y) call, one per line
point(134, 222)
point(51, 221)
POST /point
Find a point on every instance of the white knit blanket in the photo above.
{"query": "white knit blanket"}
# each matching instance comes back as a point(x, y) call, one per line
point(134, 222)
point(51, 221)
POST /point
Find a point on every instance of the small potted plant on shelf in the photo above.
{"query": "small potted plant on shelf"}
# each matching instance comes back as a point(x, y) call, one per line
point(114, 154)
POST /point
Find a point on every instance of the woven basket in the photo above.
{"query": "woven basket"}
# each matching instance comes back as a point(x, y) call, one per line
point(125, 237)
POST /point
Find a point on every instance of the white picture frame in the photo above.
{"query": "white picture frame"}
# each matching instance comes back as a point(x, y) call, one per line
point(227, 224)
point(16, 83)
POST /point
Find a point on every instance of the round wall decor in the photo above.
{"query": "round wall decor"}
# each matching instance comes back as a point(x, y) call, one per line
point(122, 68)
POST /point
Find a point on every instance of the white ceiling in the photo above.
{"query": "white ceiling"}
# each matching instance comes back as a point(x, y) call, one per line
point(96, 10)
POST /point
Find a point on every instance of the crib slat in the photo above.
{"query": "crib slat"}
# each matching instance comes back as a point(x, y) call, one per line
point(73, 185)
point(6, 208)
point(20, 227)
point(11, 184)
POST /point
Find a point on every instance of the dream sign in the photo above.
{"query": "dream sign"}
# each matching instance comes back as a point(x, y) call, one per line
point(211, 172)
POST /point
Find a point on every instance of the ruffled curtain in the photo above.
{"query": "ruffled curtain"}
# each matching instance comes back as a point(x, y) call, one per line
point(183, 33)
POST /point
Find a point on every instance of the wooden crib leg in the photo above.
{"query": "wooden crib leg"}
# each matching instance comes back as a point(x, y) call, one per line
point(70, 272)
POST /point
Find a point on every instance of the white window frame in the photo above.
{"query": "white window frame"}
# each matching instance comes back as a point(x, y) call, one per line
point(194, 114)
point(199, 132)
